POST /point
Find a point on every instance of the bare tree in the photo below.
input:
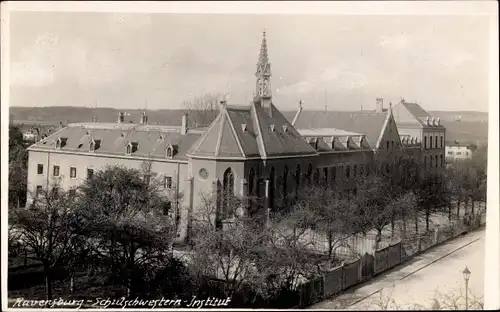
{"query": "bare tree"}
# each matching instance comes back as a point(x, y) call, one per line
point(47, 229)
point(330, 213)
point(203, 109)
point(125, 218)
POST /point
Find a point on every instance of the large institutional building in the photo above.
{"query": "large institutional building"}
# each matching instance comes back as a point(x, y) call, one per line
point(252, 150)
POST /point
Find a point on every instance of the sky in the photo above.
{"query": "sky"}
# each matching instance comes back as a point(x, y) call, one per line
point(158, 61)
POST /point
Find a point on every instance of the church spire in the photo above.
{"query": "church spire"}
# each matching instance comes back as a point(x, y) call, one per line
point(263, 57)
point(263, 74)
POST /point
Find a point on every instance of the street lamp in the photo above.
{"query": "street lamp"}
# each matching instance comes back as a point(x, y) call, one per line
point(466, 274)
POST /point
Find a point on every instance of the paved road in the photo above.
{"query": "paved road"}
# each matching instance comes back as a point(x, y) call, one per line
point(434, 274)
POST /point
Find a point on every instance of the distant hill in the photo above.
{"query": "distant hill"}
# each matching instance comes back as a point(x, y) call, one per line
point(460, 115)
point(472, 127)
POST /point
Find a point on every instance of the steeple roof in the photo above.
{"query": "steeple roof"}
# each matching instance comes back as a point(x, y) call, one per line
point(250, 132)
point(263, 65)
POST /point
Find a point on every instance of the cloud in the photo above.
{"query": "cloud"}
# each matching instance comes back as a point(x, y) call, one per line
point(50, 58)
point(30, 74)
point(394, 42)
point(331, 78)
point(457, 59)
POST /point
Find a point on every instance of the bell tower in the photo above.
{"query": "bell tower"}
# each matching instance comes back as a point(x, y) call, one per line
point(263, 74)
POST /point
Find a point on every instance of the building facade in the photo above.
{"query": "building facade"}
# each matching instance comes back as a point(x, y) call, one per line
point(458, 152)
point(251, 151)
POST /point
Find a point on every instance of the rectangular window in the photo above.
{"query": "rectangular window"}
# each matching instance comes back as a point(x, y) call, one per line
point(72, 172)
point(388, 144)
point(56, 171)
point(355, 170)
point(147, 178)
point(348, 172)
point(40, 168)
point(441, 138)
point(325, 174)
point(167, 182)
point(392, 144)
point(450, 153)
point(459, 153)
point(334, 174)
point(425, 142)
point(38, 191)
point(55, 192)
point(90, 173)
point(166, 207)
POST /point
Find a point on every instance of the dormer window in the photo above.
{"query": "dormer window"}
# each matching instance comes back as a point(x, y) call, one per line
point(131, 147)
point(285, 128)
point(161, 137)
point(61, 142)
point(244, 127)
point(170, 151)
point(271, 127)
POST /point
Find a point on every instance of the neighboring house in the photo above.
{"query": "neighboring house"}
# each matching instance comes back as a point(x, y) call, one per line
point(458, 152)
point(413, 120)
point(251, 150)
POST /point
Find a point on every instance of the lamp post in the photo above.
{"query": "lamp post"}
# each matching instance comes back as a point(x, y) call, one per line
point(466, 274)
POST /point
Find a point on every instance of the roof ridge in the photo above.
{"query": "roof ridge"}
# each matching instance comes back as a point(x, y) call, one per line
point(205, 135)
point(219, 135)
point(260, 140)
point(228, 117)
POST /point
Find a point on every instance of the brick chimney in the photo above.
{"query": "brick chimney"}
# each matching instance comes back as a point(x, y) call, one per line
point(184, 125)
point(379, 105)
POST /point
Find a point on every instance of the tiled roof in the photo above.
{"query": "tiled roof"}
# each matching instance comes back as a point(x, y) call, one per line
point(152, 141)
point(361, 122)
point(251, 131)
point(420, 114)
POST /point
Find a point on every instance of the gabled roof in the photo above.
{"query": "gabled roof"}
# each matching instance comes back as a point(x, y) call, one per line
point(361, 122)
point(251, 131)
point(151, 141)
point(417, 113)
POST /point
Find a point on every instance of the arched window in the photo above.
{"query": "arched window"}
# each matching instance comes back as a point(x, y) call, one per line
point(309, 173)
point(442, 160)
point(430, 141)
point(298, 173)
point(129, 149)
point(436, 144)
point(251, 190)
point(316, 176)
point(425, 142)
point(271, 188)
point(58, 143)
point(228, 193)
point(437, 163)
point(441, 138)
point(285, 183)
point(92, 146)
